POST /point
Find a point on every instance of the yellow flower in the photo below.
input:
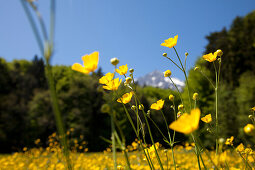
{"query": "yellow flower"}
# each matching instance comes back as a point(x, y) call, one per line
point(249, 129)
point(253, 109)
point(113, 84)
point(151, 150)
point(158, 105)
point(210, 57)
point(171, 42)
point(240, 148)
point(90, 62)
point(122, 69)
point(167, 73)
point(126, 98)
point(229, 141)
point(171, 97)
point(207, 118)
point(106, 79)
point(187, 123)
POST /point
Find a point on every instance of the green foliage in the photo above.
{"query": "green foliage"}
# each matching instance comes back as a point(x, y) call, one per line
point(236, 90)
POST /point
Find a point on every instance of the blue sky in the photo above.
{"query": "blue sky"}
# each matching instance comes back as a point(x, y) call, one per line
point(131, 30)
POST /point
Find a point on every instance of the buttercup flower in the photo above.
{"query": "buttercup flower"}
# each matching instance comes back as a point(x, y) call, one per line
point(229, 141)
point(167, 73)
point(113, 84)
point(240, 148)
point(90, 62)
point(171, 97)
point(106, 79)
point(187, 123)
point(126, 98)
point(207, 118)
point(151, 151)
point(122, 69)
point(253, 109)
point(171, 42)
point(158, 105)
point(210, 57)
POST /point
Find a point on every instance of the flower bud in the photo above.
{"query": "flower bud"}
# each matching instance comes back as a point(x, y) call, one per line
point(131, 70)
point(133, 107)
point(141, 107)
point(221, 140)
point(186, 54)
point(195, 96)
point(180, 107)
point(179, 114)
point(249, 129)
point(167, 73)
point(171, 97)
point(105, 108)
point(164, 54)
point(250, 116)
point(149, 113)
point(219, 53)
point(115, 61)
point(128, 80)
point(196, 68)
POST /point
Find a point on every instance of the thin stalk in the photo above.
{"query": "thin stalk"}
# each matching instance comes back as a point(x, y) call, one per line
point(186, 78)
point(41, 22)
point(179, 93)
point(123, 148)
point(113, 143)
point(33, 25)
point(207, 78)
point(174, 63)
point(127, 160)
point(216, 108)
point(139, 139)
point(169, 138)
point(152, 140)
point(196, 151)
point(158, 128)
point(52, 21)
point(57, 114)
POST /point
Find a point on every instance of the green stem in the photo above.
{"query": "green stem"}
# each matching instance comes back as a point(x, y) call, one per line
point(186, 78)
point(216, 108)
point(113, 143)
point(169, 138)
point(57, 114)
point(174, 63)
point(127, 160)
point(139, 139)
point(207, 78)
point(196, 151)
point(33, 25)
point(151, 137)
point(179, 93)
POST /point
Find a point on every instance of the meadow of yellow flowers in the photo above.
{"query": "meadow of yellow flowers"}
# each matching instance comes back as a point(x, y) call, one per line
point(140, 154)
point(145, 152)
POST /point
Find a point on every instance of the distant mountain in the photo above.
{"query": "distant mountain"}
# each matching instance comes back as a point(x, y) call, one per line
point(157, 79)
